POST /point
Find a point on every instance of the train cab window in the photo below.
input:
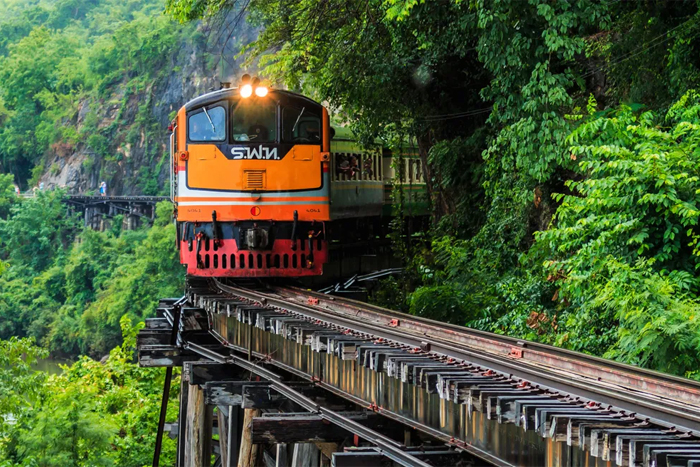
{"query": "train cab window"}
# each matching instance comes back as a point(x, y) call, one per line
point(301, 125)
point(254, 121)
point(209, 124)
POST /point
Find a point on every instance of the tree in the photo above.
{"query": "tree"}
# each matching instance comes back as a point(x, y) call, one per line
point(7, 194)
point(92, 414)
point(624, 243)
point(19, 383)
point(37, 230)
point(138, 280)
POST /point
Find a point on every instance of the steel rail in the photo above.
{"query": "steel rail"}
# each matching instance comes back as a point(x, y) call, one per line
point(390, 448)
point(428, 430)
point(593, 361)
point(662, 411)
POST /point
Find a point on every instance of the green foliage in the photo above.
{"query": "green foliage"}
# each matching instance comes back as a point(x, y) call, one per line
point(70, 295)
point(93, 414)
point(19, 384)
point(36, 231)
point(389, 293)
point(534, 66)
point(7, 194)
point(63, 64)
point(624, 242)
point(620, 261)
point(152, 271)
point(460, 167)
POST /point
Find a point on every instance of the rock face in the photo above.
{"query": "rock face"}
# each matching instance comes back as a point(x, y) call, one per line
point(129, 147)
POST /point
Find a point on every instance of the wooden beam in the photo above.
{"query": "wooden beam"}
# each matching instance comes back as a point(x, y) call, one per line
point(359, 458)
point(260, 396)
point(447, 457)
point(150, 337)
point(229, 392)
point(202, 374)
point(196, 412)
point(373, 457)
point(160, 322)
point(327, 449)
point(249, 452)
point(163, 356)
point(299, 428)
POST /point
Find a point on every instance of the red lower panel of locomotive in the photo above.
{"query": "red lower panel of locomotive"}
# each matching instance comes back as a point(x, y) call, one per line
point(253, 251)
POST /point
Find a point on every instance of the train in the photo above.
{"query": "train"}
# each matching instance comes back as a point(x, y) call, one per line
point(263, 186)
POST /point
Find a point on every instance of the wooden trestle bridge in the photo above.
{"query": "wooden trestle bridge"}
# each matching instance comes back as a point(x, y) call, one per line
point(99, 211)
point(286, 377)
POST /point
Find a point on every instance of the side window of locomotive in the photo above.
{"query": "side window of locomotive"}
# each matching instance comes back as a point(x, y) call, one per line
point(207, 125)
point(254, 121)
point(301, 125)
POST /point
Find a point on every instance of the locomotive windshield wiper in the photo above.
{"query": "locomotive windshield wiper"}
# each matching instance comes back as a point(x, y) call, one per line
point(213, 128)
point(297, 122)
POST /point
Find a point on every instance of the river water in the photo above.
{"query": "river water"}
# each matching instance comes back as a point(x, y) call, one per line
point(50, 365)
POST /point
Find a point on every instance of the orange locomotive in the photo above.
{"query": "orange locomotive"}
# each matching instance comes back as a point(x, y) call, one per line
point(251, 183)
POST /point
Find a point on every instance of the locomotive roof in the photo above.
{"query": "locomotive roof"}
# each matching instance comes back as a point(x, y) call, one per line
point(215, 96)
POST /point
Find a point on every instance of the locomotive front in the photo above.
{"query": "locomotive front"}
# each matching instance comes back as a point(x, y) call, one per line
point(251, 183)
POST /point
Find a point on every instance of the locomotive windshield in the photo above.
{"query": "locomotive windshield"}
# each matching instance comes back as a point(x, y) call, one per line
point(301, 125)
point(208, 125)
point(254, 121)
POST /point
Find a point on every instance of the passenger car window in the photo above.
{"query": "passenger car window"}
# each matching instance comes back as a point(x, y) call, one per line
point(301, 125)
point(207, 125)
point(254, 121)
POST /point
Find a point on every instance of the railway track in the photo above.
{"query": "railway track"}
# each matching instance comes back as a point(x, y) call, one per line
point(501, 400)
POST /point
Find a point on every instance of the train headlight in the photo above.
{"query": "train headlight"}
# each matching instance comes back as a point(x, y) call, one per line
point(246, 90)
point(261, 91)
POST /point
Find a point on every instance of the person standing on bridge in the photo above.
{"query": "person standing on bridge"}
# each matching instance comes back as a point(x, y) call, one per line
point(103, 189)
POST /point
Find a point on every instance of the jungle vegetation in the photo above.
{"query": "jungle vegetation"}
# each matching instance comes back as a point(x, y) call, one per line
point(68, 288)
point(80, 77)
point(92, 414)
point(559, 140)
point(81, 294)
point(560, 144)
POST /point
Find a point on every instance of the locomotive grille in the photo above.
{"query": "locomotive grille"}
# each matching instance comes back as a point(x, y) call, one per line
point(255, 179)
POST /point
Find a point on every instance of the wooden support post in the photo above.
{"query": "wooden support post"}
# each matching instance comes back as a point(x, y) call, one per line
point(327, 450)
point(305, 455)
point(207, 432)
point(250, 342)
point(228, 434)
point(281, 457)
point(234, 434)
point(249, 451)
point(182, 423)
point(222, 415)
point(196, 418)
